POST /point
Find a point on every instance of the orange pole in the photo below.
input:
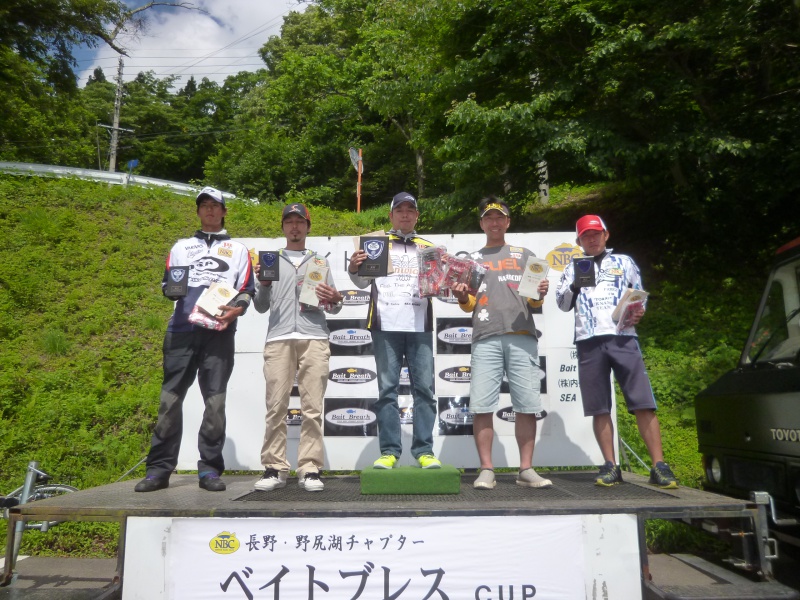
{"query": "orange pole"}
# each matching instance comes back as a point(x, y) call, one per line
point(358, 188)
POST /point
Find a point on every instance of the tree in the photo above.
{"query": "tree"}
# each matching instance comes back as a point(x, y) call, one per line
point(298, 122)
point(40, 118)
point(45, 31)
point(97, 76)
point(694, 103)
point(408, 81)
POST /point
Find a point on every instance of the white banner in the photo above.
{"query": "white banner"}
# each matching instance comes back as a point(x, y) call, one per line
point(412, 558)
point(546, 557)
point(564, 437)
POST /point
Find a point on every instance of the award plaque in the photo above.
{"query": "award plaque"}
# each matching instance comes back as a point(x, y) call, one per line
point(583, 267)
point(269, 266)
point(177, 282)
point(377, 262)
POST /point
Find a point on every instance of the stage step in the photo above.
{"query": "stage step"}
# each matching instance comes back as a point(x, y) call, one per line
point(727, 585)
point(409, 480)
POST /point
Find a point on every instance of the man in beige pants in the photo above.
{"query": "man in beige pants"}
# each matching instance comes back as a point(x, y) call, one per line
point(297, 344)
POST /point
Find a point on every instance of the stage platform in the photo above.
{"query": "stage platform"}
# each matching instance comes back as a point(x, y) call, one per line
point(573, 494)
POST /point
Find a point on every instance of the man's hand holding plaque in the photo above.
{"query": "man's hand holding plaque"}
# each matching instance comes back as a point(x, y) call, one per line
point(177, 282)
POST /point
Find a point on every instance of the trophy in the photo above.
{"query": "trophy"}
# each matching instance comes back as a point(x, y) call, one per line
point(268, 266)
point(377, 262)
point(583, 267)
point(177, 282)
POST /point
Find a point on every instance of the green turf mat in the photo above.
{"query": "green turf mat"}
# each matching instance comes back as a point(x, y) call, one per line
point(410, 480)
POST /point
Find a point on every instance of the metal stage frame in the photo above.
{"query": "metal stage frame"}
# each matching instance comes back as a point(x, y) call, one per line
point(573, 492)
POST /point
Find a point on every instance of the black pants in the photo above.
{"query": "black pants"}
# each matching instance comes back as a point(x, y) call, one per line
point(208, 355)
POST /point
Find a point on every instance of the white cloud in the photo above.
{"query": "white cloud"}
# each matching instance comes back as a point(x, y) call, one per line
point(220, 42)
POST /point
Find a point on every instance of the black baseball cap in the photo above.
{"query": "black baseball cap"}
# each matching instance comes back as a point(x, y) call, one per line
point(296, 209)
point(403, 197)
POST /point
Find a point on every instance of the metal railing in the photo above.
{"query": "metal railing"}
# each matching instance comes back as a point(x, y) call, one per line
point(20, 168)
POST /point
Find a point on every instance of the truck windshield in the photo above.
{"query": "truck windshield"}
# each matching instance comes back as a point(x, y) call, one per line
point(775, 337)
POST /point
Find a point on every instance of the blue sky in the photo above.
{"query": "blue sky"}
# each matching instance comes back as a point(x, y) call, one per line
point(215, 44)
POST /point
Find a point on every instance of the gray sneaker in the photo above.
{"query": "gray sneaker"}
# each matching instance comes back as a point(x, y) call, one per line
point(530, 478)
point(662, 476)
point(485, 480)
point(609, 475)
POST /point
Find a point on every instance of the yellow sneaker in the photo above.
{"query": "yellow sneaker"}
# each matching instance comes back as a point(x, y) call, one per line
point(429, 461)
point(386, 461)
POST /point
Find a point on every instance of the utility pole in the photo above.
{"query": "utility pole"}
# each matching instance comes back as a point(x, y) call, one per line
point(112, 159)
point(115, 128)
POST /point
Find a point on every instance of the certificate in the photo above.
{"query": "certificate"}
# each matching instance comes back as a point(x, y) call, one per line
point(535, 270)
point(216, 295)
point(314, 276)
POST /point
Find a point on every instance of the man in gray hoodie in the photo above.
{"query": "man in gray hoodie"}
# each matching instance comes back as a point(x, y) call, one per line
point(297, 344)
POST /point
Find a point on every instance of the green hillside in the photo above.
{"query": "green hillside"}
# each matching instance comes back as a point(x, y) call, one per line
point(82, 319)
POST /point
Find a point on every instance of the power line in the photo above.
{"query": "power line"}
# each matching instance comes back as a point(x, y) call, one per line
point(247, 36)
point(144, 137)
point(131, 65)
point(196, 60)
point(114, 56)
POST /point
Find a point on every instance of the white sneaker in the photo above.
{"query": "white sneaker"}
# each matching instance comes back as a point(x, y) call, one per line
point(272, 479)
point(311, 482)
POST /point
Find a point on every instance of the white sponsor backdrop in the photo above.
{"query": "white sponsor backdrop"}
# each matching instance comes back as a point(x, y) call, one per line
point(564, 437)
point(558, 557)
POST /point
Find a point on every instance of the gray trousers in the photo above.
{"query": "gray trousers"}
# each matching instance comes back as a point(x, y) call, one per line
point(207, 355)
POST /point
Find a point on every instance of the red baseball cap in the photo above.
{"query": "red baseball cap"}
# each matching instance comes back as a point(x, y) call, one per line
point(589, 223)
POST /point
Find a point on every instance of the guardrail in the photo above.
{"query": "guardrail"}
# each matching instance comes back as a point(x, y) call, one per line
point(33, 169)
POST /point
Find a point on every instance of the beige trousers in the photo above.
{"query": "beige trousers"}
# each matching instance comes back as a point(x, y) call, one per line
point(282, 360)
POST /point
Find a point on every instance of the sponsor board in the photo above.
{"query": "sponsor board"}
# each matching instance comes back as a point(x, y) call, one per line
point(453, 335)
point(352, 375)
point(350, 417)
point(407, 415)
point(352, 360)
point(459, 374)
point(348, 337)
point(508, 415)
point(294, 417)
point(560, 256)
point(454, 415)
